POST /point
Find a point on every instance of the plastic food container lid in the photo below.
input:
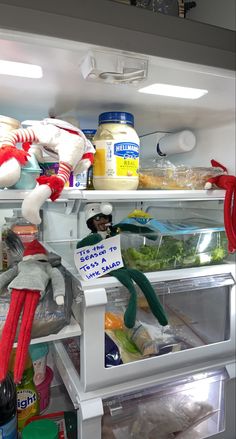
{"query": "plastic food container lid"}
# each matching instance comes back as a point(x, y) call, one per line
point(116, 117)
point(31, 165)
point(43, 428)
point(38, 351)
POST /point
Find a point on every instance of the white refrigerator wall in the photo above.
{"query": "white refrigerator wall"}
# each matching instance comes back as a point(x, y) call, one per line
point(217, 142)
point(213, 142)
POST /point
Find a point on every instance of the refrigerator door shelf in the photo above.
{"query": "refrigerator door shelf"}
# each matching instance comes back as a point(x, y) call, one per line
point(17, 195)
point(71, 330)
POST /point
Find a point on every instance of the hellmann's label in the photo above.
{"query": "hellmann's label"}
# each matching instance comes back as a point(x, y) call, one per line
point(27, 405)
point(116, 159)
point(127, 158)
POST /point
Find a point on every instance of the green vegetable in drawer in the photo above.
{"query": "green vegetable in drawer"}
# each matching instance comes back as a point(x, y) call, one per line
point(177, 252)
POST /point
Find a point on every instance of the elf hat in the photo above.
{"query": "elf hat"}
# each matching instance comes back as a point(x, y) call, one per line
point(35, 251)
point(93, 209)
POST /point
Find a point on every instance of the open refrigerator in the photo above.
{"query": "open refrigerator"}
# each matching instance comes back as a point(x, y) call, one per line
point(188, 391)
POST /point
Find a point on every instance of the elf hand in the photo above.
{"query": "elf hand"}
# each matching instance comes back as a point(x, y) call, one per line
point(11, 160)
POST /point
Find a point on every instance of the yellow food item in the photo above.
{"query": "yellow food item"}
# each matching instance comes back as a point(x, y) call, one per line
point(113, 321)
point(156, 182)
point(181, 178)
point(138, 214)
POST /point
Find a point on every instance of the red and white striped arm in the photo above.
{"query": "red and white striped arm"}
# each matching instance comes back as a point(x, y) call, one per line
point(19, 135)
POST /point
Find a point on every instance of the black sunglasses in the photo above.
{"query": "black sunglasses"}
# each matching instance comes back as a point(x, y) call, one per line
point(98, 217)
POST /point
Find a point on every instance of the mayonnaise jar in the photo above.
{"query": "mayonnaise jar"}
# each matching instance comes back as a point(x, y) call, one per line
point(117, 152)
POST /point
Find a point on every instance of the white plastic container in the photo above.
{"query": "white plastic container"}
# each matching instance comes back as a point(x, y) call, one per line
point(7, 124)
point(117, 152)
point(176, 143)
point(38, 353)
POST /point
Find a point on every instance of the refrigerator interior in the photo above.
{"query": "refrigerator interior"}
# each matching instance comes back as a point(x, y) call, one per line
point(63, 91)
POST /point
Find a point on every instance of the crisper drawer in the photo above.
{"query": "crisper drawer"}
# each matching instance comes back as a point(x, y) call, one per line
point(190, 408)
point(201, 312)
point(193, 406)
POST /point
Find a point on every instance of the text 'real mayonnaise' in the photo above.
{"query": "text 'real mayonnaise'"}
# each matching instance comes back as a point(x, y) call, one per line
point(117, 152)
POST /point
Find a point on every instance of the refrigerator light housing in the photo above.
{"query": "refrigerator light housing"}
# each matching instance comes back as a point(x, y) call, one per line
point(174, 91)
point(23, 70)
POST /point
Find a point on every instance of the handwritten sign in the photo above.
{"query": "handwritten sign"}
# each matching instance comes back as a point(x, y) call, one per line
point(96, 260)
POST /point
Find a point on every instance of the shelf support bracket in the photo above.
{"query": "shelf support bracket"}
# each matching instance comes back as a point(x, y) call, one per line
point(72, 206)
point(89, 418)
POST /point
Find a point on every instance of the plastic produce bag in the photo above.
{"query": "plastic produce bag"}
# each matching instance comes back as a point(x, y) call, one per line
point(112, 354)
point(169, 415)
point(128, 350)
point(164, 416)
point(49, 318)
point(162, 174)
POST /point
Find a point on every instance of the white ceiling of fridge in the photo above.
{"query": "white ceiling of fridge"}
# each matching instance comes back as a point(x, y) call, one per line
point(64, 89)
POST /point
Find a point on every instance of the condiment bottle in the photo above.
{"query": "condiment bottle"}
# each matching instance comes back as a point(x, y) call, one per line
point(27, 396)
point(117, 152)
point(8, 419)
point(89, 133)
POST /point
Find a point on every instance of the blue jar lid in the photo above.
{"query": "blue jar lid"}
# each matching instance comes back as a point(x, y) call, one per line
point(38, 351)
point(116, 117)
point(89, 132)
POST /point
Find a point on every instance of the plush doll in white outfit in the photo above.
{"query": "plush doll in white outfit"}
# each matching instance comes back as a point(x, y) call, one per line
point(61, 140)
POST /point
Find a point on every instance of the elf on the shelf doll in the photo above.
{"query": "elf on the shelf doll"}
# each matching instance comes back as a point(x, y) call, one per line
point(227, 182)
point(28, 281)
point(99, 220)
point(59, 139)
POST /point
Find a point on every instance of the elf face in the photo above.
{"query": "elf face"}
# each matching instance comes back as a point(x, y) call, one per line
point(101, 222)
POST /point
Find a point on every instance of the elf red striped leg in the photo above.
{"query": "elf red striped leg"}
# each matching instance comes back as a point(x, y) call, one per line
point(56, 182)
point(31, 301)
point(9, 329)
